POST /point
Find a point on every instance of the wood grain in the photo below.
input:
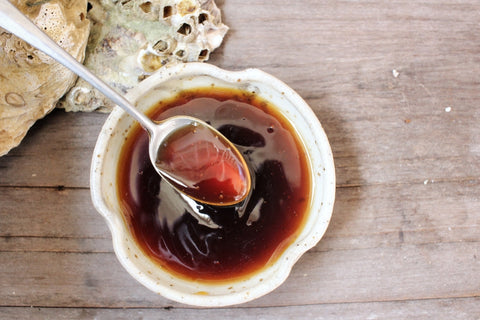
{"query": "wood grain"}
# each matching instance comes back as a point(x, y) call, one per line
point(395, 85)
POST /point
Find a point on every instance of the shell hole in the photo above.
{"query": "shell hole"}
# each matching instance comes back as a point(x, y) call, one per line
point(180, 53)
point(160, 46)
point(146, 7)
point(167, 11)
point(203, 55)
point(185, 29)
point(89, 6)
point(202, 17)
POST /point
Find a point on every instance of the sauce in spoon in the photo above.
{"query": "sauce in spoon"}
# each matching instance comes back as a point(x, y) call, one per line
point(198, 162)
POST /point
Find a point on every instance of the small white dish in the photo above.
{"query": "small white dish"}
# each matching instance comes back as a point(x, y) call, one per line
point(165, 83)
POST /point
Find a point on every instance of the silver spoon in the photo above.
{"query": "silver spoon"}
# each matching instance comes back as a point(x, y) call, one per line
point(166, 160)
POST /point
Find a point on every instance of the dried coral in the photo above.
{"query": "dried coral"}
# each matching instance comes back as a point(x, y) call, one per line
point(31, 83)
point(132, 38)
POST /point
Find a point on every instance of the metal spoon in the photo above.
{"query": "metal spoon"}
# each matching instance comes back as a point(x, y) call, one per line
point(168, 132)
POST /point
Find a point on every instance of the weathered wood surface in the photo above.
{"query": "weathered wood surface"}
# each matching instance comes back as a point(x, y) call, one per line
point(396, 85)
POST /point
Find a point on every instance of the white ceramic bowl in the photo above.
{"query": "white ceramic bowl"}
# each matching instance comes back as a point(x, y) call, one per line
point(166, 83)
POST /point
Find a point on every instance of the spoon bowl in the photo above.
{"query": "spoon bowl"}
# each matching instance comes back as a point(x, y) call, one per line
point(198, 161)
point(219, 188)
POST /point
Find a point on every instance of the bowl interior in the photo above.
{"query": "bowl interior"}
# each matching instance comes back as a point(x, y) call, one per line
point(167, 83)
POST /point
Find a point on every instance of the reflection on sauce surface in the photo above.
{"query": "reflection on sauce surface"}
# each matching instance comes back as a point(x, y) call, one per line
point(245, 243)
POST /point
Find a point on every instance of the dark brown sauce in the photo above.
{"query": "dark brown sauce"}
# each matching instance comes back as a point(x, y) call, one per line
point(246, 243)
point(205, 167)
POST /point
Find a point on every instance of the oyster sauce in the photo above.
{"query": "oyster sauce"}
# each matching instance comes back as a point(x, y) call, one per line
point(248, 240)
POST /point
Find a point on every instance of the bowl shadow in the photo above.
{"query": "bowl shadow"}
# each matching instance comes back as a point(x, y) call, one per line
point(348, 175)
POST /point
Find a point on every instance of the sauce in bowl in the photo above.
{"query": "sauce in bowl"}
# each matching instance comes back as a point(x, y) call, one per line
point(248, 240)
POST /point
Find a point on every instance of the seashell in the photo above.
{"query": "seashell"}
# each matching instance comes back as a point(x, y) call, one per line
point(31, 83)
point(130, 39)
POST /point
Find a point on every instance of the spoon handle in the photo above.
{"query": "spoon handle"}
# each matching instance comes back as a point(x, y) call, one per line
point(14, 21)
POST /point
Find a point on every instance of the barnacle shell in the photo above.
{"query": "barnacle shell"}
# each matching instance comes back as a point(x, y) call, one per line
point(31, 83)
point(132, 38)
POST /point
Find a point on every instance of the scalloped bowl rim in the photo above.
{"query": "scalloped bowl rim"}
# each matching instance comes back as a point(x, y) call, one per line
point(269, 278)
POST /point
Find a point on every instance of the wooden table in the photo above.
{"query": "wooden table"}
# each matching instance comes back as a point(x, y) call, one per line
point(396, 85)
